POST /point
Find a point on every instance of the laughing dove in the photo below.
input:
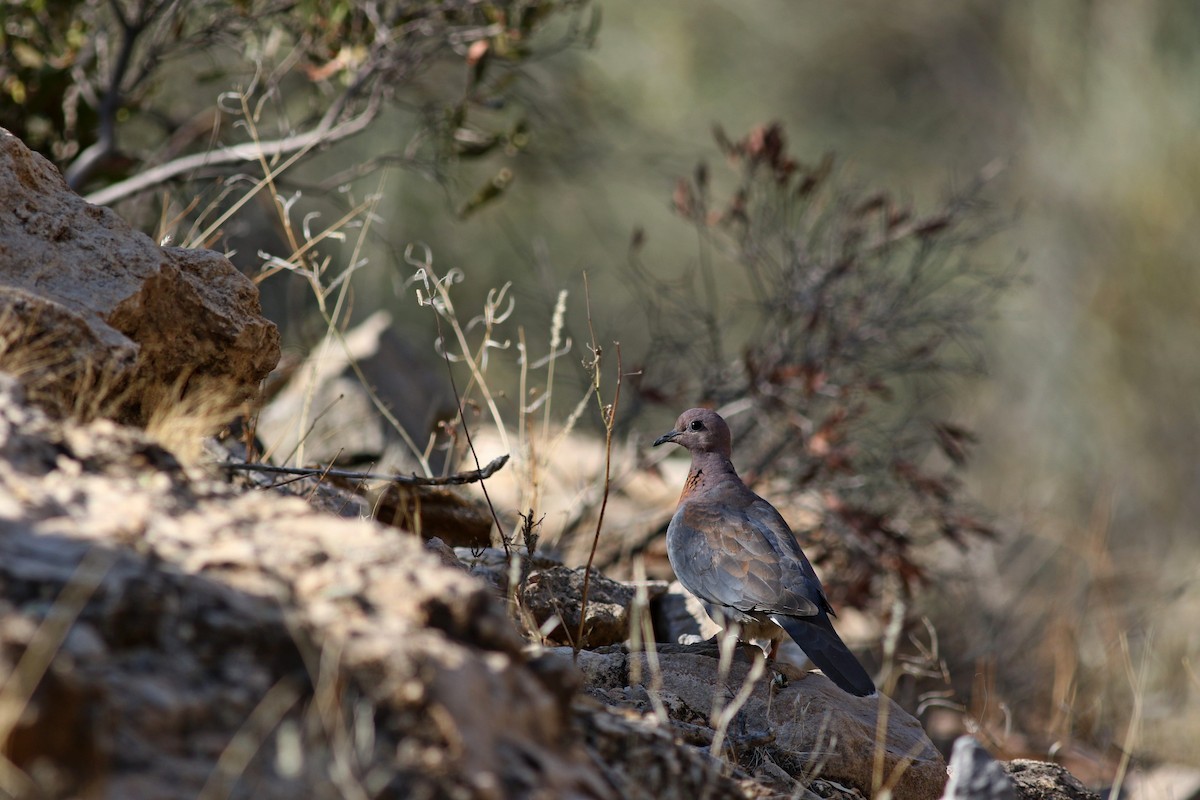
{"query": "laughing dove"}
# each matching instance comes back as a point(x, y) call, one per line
point(732, 549)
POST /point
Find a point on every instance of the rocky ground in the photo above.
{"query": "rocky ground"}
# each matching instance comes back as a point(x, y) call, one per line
point(170, 628)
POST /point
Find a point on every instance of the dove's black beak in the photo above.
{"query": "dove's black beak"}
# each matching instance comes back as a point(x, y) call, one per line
point(669, 436)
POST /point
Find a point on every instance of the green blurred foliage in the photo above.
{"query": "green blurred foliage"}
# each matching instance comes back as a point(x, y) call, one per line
point(1088, 425)
point(39, 43)
point(106, 88)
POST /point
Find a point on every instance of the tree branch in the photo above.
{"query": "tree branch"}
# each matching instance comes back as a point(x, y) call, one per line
point(458, 479)
point(234, 154)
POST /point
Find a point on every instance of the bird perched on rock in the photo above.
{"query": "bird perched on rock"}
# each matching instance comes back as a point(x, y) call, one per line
point(732, 549)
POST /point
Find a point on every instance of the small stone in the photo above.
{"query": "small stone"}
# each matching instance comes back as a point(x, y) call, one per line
point(975, 775)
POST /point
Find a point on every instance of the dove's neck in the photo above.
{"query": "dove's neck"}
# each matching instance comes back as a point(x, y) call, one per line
point(708, 469)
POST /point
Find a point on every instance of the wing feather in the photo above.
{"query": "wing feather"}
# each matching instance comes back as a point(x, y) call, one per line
point(743, 556)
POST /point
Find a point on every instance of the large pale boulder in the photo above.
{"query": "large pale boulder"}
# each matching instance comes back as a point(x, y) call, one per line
point(98, 318)
point(166, 635)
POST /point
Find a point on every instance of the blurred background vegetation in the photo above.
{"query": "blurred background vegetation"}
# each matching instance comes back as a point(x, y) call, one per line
point(561, 152)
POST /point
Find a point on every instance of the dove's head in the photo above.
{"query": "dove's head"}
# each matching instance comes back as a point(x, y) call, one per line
point(700, 430)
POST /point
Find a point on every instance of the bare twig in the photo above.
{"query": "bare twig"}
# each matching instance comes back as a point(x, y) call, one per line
point(608, 415)
point(440, 288)
point(1137, 683)
point(473, 476)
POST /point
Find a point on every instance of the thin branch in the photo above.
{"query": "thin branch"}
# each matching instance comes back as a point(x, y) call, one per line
point(472, 476)
point(608, 416)
point(458, 401)
point(234, 154)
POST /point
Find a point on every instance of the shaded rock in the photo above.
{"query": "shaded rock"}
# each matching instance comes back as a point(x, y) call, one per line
point(99, 317)
point(641, 760)
point(558, 592)
point(1040, 780)
point(61, 724)
point(435, 512)
point(496, 568)
point(975, 775)
point(240, 644)
point(680, 618)
point(802, 723)
point(444, 552)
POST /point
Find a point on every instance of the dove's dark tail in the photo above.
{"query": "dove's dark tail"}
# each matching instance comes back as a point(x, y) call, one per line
point(824, 647)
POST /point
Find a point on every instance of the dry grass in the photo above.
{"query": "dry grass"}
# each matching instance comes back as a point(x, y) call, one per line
point(36, 349)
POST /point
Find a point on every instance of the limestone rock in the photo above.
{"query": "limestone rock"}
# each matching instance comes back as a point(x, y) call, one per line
point(325, 657)
point(91, 307)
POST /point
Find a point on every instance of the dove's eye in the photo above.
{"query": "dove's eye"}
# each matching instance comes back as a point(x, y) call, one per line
point(696, 425)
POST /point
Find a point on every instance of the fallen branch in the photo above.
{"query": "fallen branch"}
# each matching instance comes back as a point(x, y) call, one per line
point(457, 479)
